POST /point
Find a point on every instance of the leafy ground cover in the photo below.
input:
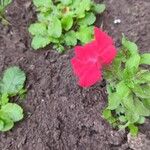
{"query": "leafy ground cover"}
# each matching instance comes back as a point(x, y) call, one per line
point(63, 23)
point(12, 84)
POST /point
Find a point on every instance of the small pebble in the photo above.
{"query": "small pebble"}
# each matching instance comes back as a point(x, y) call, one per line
point(117, 21)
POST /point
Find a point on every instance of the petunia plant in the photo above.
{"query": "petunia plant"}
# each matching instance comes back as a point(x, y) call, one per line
point(128, 81)
point(63, 22)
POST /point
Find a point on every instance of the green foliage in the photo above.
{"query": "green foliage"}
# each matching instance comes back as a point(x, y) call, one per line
point(11, 84)
point(64, 22)
point(128, 88)
point(3, 5)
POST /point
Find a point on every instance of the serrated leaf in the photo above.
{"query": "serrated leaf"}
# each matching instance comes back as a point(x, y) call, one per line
point(85, 34)
point(99, 8)
point(42, 3)
point(13, 81)
point(145, 59)
point(89, 19)
point(38, 29)
point(55, 28)
point(70, 38)
point(40, 42)
point(67, 22)
point(14, 111)
point(8, 123)
point(140, 108)
point(132, 47)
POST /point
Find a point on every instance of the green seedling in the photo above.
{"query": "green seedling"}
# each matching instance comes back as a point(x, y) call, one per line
point(128, 87)
point(12, 84)
point(63, 22)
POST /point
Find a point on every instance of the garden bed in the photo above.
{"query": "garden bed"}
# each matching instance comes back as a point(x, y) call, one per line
point(60, 115)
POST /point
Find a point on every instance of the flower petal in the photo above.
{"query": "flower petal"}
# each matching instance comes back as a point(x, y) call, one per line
point(88, 52)
point(90, 76)
point(102, 38)
point(78, 66)
point(107, 56)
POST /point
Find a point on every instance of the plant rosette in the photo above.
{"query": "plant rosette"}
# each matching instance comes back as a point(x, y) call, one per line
point(128, 82)
point(63, 22)
point(12, 84)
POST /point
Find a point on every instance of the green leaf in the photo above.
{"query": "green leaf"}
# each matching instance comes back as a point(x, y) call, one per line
point(5, 3)
point(99, 8)
point(142, 77)
point(142, 91)
point(146, 103)
point(85, 34)
point(13, 110)
point(7, 122)
point(89, 19)
point(141, 120)
point(38, 29)
point(133, 130)
point(122, 91)
point(132, 63)
point(122, 118)
point(145, 59)
point(40, 42)
point(13, 81)
point(67, 22)
point(107, 114)
point(70, 38)
point(132, 116)
point(113, 101)
point(1, 125)
point(128, 102)
point(42, 3)
point(4, 99)
point(83, 6)
point(55, 28)
point(132, 47)
point(66, 2)
point(140, 108)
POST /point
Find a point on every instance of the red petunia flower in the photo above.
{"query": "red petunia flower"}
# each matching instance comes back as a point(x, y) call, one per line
point(90, 58)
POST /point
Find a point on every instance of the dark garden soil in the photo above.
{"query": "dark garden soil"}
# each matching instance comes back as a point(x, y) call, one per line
point(59, 115)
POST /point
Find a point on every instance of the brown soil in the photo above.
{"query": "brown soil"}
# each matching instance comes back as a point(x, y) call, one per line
point(59, 115)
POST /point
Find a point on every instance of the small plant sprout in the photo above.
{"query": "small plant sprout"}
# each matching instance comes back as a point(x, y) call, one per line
point(12, 84)
point(64, 22)
point(3, 5)
point(128, 82)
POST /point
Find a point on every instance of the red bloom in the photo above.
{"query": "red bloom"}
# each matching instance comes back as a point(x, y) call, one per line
point(89, 59)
